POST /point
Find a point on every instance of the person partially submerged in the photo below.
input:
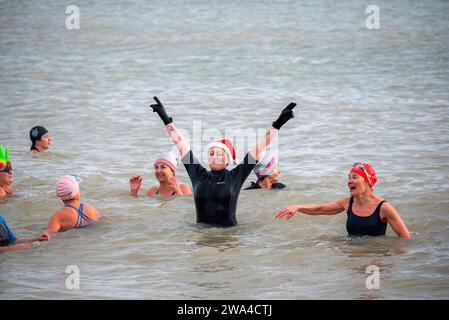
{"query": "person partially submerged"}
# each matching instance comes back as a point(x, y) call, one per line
point(165, 173)
point(40, 139)
point(6, 178)
point(267, 173)
point(8, 241)
point(216, 191)
point(74, 214)
point(367, 213)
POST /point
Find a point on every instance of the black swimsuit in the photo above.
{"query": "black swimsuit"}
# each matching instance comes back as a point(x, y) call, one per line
point(255, 185)
point(216, 192)
point(371, 225)
point(173, 194)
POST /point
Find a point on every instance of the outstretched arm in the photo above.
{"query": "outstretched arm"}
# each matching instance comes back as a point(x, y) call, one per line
point(16, 246)
point(272, 132)
point(313, 209)
point(43, 236)
point(174, 134)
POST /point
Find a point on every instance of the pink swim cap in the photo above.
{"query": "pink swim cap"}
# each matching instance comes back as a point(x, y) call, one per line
point(67, 187)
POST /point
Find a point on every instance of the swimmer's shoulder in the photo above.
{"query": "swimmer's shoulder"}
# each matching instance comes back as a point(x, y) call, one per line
point(152, 191)
point(91, 211)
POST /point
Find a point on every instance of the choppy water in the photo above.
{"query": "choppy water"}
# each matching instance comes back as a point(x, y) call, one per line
point(378, 96)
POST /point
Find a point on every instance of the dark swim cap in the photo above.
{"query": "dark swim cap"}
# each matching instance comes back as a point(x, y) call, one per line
point(36, 133)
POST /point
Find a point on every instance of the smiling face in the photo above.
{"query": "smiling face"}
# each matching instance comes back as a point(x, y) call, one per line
point(356, 184)
point(6, 175)
point(217, 159)
point(163, 172)
point(44, 142)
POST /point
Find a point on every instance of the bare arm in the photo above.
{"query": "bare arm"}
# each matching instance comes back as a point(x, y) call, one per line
point(261, 145)
point(177, 139)
point(43, 236)
point(330, 208)
point(16, 246)
point(186, 189)
point(174, 134)
point(395, 221)
point(54, 225)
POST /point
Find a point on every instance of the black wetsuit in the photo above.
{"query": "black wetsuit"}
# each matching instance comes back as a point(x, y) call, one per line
point(371, 225)
point(216, 192)
point(255, 185)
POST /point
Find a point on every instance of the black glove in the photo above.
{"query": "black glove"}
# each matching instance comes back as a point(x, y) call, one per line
point(159, 108)
point(285, 115)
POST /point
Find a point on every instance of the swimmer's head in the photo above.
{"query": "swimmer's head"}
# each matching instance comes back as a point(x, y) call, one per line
point(5, 168)
point(267, 166)
point(361, 176)
point(67, 188)
point(40, 138)
point(220, 154)
point(3, 156)
point(165, 166)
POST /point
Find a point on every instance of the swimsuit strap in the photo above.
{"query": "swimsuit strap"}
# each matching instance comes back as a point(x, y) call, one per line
point(157, 192)
point(81, 215)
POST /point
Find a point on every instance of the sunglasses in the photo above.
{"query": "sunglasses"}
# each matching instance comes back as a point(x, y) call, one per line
point(8, 168)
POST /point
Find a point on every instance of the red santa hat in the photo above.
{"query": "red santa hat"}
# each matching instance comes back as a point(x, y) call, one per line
point(228, 148)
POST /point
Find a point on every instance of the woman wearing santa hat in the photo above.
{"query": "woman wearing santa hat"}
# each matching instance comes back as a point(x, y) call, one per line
point(165, 172)
point(368, 214)
point(267, 172)
point(216, 191)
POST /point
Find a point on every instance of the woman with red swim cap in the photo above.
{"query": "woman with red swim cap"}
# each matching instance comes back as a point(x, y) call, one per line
point(368, 214)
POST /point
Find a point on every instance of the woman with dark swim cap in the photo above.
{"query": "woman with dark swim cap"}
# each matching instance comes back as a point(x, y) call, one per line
point(267, 172)
point(368, 214)
point(6, 179)
point(216, 191)
point(40, 139)
point(165, 172)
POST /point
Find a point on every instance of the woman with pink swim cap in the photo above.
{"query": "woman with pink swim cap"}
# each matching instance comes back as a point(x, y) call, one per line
point(74, 214)
point(368, 214)
point(165, 172)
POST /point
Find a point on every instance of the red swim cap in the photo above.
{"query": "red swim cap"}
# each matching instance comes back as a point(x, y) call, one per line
point(366, 171)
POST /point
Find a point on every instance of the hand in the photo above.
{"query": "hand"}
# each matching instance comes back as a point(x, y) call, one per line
point(44, 236)
point(174, 184)
point(159, 108)
point(135, 183)
point(288, 212)
point(285, 115)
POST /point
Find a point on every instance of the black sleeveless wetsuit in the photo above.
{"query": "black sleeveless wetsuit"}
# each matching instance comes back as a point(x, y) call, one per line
point(216, 192)
point(255, 185)
point(371, 225)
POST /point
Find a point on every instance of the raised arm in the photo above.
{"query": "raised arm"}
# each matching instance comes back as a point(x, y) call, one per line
point(313, 209)
point(174, 134)
point(272, 132)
